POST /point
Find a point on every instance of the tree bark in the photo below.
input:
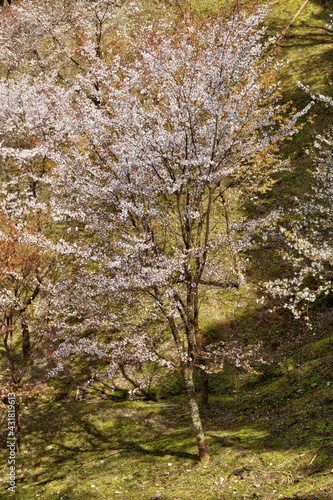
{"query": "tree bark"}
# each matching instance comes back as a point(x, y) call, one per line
point(16, 381)
point(187, 372)
point(195, 415)
point(200, 343)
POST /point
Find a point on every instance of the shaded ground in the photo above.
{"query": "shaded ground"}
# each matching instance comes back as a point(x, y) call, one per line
point(270, 439)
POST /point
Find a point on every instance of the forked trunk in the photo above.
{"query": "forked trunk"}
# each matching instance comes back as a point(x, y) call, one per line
point(195, 415)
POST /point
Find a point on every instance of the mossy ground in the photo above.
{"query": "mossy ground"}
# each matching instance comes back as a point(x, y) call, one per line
point(278, 425)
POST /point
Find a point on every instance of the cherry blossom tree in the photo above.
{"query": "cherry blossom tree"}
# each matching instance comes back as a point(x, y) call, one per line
point(154, 154)
point(27, 271)
point(308, 237)
point(39, 38)
point(24, 277)
point(307, 234)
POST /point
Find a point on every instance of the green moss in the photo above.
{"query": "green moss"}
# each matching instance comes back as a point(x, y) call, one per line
point(319, 349)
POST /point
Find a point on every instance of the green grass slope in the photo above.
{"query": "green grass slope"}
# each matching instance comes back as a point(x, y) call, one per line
point(270, 438)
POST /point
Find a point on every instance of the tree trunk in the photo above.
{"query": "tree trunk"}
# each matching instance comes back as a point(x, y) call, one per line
point(200, 343)
point(26, 347)
point(195, 415)
point(16, 381)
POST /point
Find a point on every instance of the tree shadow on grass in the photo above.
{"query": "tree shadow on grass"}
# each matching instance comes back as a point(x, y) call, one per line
point(290, 412)
point(275, 411)
point(75, 432)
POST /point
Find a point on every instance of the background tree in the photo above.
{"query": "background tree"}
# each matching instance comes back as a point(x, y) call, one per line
point(27, 272)
point(24, 280)
point(48, 38)
point(308, 237)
